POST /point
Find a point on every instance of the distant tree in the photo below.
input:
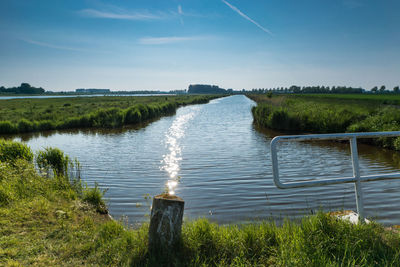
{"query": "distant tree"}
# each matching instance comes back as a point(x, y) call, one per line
point(295, 89)
point(382, 89)
point(205, 89)
point(374, 89)
point(25, 86)
point(396, 89)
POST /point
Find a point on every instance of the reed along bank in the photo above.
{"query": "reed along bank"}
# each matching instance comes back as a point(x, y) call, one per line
point(35, 115)
point(330, 113)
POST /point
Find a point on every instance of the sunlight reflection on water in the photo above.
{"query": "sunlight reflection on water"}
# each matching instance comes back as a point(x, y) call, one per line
point(225, 166)
point(171, 161)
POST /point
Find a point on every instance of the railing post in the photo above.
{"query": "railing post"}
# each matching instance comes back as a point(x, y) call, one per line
point(356, 173)
point(356, 178)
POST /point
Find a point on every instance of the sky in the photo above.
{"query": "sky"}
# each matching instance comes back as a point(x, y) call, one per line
point(62, 45)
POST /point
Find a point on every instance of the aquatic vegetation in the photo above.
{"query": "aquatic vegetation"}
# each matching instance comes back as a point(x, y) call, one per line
point(133, 115)
point(95, 196)
point(7, 127)
point(53, 159)
point(35, 115)
point(10, 152)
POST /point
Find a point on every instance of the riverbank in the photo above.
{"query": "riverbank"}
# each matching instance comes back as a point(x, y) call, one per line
point(329, 114)
point(52, 219)
point(35, 115)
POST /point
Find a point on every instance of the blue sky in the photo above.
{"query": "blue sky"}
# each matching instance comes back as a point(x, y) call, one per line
point(169, 44)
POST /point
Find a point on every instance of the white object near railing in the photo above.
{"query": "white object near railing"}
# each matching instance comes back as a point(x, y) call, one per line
point(356, 179)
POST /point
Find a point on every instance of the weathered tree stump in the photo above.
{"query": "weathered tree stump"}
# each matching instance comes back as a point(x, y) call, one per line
point(165, 223)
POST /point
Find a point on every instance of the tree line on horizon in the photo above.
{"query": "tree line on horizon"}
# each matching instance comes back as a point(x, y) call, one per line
point(325, 90)
point(205, 89)
point(24, 88)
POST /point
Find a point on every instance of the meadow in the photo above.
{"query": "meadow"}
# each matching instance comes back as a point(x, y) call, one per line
point(330, 113)
point(33, 115)
point(49, 217)
point(388, 98)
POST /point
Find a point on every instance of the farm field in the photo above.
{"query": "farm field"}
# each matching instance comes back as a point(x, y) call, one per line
point(381, 98)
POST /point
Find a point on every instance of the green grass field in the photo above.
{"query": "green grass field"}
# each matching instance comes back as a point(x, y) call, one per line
point(325, 113)
point(32, 115)
point(382, 98)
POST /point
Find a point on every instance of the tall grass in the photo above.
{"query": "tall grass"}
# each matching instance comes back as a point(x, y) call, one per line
point(307, 115)
point(19, 178)
point(319, 240)
point(93, 114)
point(53, 160)
point(302, 114)
point(46, 221)
point(12, 151)
point(95, 196)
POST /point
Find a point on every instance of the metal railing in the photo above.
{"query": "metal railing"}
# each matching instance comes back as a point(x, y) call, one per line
point(356, 179)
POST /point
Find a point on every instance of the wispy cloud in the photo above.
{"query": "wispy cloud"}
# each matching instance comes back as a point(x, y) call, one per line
point(180, 13)
point(53, 46)
point(108, 11)
point(246, 17)
point(122, 15)
point(169, 39)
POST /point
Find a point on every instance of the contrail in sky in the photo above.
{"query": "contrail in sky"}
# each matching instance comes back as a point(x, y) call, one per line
point(246, 17)
point(93, 13)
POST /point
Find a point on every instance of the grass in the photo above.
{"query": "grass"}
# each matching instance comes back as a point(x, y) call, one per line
point(393, 99)
point(33, 115)
point(11, 151)
point(330, 114)
point(49, 221)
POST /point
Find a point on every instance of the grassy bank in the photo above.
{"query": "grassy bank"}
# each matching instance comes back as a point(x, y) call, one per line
point(329, 114)
point(32, 115)
point(50, 218)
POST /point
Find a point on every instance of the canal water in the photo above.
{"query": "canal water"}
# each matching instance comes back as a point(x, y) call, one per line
point(223, 167)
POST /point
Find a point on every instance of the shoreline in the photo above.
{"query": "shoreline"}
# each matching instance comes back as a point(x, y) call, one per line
point(115, 113)
point(303, 114)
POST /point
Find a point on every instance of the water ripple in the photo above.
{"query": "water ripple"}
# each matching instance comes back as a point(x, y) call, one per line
point(225, 167)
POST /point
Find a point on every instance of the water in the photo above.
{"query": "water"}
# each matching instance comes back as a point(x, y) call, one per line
point(222, 167)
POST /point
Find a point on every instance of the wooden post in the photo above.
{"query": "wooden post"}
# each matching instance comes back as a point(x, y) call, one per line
point(165, 223)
